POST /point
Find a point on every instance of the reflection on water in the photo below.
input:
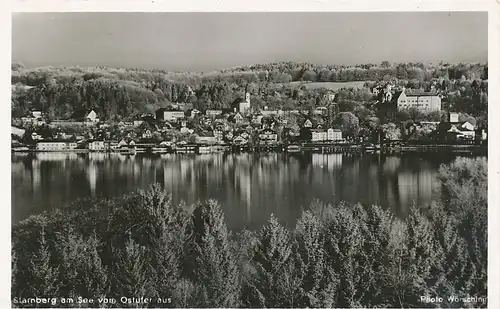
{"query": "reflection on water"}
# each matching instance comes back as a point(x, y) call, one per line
point(250, 187)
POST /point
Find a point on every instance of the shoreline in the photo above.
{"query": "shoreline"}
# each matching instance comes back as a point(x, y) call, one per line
point(195, 149)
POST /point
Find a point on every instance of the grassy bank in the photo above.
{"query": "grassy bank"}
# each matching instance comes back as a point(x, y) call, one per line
point(336, 256)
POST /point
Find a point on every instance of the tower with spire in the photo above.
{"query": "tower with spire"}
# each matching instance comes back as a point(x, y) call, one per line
point(245, 105)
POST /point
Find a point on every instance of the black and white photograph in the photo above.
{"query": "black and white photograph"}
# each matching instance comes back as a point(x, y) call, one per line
point(249, 159)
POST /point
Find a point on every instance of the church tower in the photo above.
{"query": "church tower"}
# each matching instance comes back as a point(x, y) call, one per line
point(247, 94)
point(245, 105)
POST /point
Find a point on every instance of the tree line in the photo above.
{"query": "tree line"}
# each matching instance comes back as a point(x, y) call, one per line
point(124, 93)
point(336, 256)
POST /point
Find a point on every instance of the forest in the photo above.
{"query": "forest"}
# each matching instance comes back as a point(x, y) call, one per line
point(118, 94)
point(341, 255)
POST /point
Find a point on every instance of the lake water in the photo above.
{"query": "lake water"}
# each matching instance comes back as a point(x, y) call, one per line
point(249, 186)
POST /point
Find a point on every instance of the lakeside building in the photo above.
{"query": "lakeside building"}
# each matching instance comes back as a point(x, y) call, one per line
point(97, 146)
point(240, 140)
point(33, 118)
point(55, 146)
point(318, 135)
point(321, 135)
point(463, 131)
point(334, 134)
point(268, 136)
point(426, 101)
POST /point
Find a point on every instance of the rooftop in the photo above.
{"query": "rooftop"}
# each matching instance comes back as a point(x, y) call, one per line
point(420, 94)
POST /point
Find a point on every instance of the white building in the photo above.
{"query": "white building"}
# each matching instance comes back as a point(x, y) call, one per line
point(166, 115)
point(92, 117)
point(173, 115)
point(334, 134)
point(51, 146)
point(268, 136)
point(245, 106)
point(213, 112)
point(421, 101)
point(467, 125)
point(97, 146)
point(318, 135)
point(463, 132)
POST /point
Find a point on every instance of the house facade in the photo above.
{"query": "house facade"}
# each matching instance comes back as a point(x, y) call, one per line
point(92, 116)
point(219, 135)
point(420, 101)
point(467, 125)
point(213, 112)
point(166, 115)
point(97, 146)
point(240, 140)
point(268, 136)
point(52, 146)
point(319, 135)
point(238, 118)
point(453, 117)
point(334, 134)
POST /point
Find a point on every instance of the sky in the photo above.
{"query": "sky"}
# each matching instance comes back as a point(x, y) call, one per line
point(212, 41)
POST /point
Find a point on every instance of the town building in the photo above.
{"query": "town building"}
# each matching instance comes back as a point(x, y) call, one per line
point(71, 145)
point(206, 140)
point(384, 94)
point(34, 118)
point(147, 134)
point(163, 114)
point(36, 137)
point(467, 125)
point(238, 118)
point(268, 136)
point(453, 117)
point(462, 132)
point(245, 105)
point(334, 134)
point(37, 114)
point(51, 146)
point(240, 140)
point(307, 123)
point(97, 146)
point(219, 135)
point(426, 101)
point(213, 112)
point(88, 116)
point(138, 123)
point(319, 135)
